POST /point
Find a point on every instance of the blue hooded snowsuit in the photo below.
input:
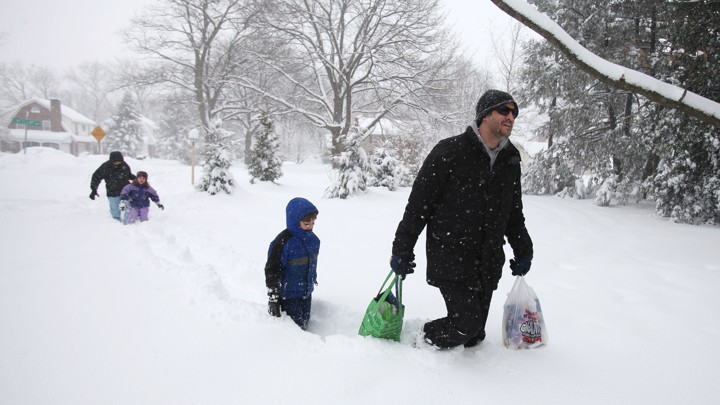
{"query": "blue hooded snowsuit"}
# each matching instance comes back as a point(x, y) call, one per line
point(293, 272)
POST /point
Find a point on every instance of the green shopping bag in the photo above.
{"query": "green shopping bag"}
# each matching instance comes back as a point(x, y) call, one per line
point(384, 316)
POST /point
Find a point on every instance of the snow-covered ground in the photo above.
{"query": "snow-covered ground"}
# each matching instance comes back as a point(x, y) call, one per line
point(173, 311)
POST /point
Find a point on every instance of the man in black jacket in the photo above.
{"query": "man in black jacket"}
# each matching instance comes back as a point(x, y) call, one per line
point(116, 174)
point(468, 194)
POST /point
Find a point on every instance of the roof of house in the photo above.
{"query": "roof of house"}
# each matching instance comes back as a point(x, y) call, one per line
point(66, 111)
point(383, 127)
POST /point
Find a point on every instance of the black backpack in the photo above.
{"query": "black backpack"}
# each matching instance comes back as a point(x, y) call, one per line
point(272, 266)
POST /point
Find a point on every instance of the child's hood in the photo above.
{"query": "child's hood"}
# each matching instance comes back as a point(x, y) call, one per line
point(296, 209)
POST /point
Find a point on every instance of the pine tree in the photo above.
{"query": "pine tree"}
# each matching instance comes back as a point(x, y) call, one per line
point(265, 162)
point(125, 130)
point(686, 185)
point(686, 179)
point(385, 169)
point(645, 149)
point(216, 175)
point(550, 173)
point(176, 121)
point(352, 166)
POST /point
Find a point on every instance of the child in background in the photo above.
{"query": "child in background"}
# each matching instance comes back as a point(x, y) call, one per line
point(138, 195)
point(291, 268)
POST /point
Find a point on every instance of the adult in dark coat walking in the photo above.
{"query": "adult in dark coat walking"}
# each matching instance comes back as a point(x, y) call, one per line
point(468, 194)
point(117, 174)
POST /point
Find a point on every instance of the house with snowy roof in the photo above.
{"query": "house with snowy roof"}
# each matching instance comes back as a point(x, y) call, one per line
point(43, 122)
point(382, 130)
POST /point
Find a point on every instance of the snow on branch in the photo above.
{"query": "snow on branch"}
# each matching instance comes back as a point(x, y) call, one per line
point(609, 73)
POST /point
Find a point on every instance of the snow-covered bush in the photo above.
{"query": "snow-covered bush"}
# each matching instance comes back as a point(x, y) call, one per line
point(385, 169)
point(216, 175)
point(352, 169)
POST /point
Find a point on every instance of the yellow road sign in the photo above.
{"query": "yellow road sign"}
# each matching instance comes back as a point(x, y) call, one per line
point(98, 133)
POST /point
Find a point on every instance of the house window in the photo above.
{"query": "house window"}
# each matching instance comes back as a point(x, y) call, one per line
point(10, 146)
point(46, 125)
point(51, 145)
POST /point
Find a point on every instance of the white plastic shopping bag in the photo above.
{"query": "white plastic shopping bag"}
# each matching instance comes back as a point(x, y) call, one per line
point(523, 322)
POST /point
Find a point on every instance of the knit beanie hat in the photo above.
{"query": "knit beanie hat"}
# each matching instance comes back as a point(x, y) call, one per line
point(116, 156)
point(142, 174)
point(490, 100)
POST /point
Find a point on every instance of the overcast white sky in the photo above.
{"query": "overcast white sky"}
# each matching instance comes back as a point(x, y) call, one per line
point(64, 33)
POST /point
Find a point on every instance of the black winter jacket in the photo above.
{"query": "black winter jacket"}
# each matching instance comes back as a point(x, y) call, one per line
point(115, 178)
point(469, 208)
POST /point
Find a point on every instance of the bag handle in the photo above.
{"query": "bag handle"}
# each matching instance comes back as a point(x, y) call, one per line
point(397, 283)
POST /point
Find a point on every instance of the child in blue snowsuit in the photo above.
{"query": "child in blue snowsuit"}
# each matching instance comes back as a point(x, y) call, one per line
point(291, 268)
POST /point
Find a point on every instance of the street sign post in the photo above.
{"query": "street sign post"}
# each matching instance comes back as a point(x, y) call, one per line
point(98, 133)
point(193, 135)
point(23, 121)
point(26, 122)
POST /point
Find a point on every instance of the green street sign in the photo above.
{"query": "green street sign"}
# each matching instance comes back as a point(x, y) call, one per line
point(26, 122)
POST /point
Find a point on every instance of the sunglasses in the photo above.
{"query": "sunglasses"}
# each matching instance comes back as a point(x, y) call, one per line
point(505, 110)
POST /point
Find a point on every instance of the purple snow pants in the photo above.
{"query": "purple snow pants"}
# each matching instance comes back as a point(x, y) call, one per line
point(135, 214)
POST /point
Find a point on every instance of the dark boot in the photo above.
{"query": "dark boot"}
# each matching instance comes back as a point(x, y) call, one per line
point(475, 340)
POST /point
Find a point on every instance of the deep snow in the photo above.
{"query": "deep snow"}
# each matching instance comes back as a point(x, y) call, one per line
point(173, 311)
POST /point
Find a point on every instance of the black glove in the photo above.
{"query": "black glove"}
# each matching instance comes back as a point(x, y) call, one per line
point(93, 194)
point(274, 303)
point(403, 265)
point(520, 266)
point(162, 207)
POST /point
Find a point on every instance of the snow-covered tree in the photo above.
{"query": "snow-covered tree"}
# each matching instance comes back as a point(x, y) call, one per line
point(218, 157)
point(265, 161)
point(177, 119)
point(352, 168)
point(605, 193)
point(686, 185)
point(356, 57)
point(198, 44)
point(89, 87)
point(550, 173)
point(20, 82)
point(125, 130)
point(611, 128)
point(385, 169)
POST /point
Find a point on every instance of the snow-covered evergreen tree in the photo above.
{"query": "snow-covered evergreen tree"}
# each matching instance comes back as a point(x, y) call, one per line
point(550, 173)
point(687, 184)
point(125, 130)
point(385, 169)
point(610, 133)
point(177, 119)
point(352, 166)
point(605, 193)
point(218, 157)
point(265, 161)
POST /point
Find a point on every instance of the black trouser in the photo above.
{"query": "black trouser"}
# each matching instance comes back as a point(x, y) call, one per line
point(465, 323)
